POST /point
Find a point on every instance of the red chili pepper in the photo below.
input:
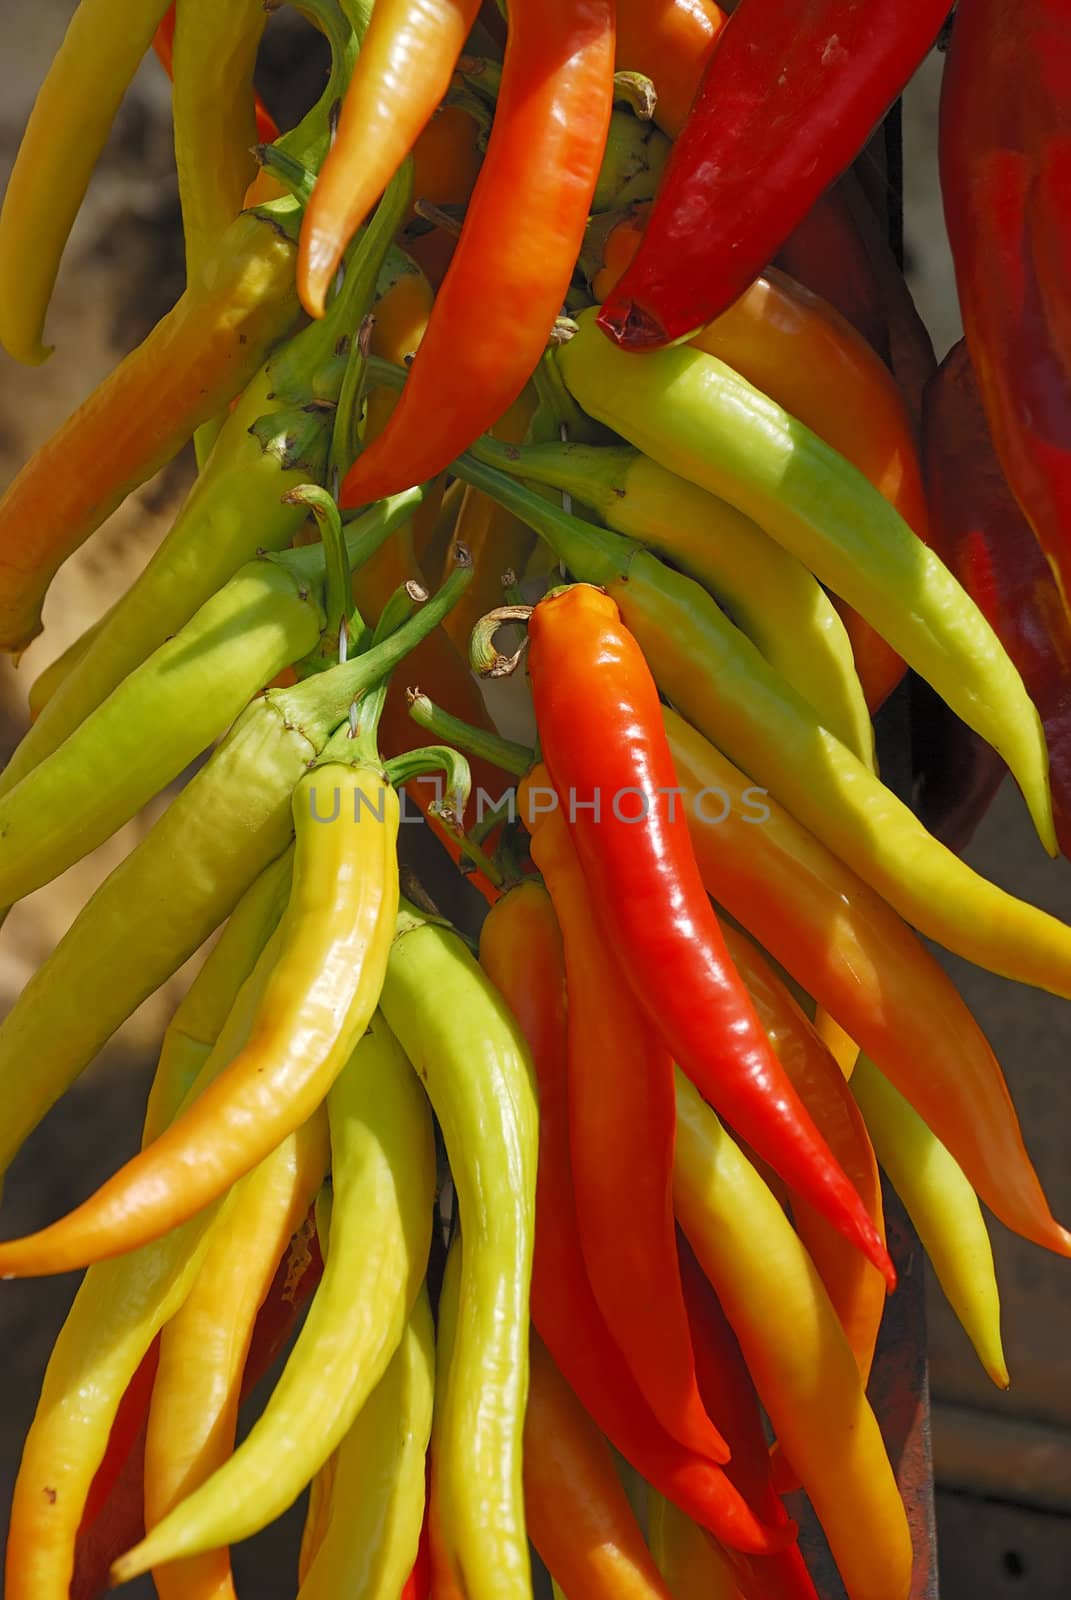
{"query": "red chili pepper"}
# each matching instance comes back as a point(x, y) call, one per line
point(129, 1421)
point(788, 100)
point(521, 951)
point(522, 233)
point(164, 45)
point(1005, 133)
point(725, 1384)
point(622, 1124)
point(603, 739)
point(981, 534)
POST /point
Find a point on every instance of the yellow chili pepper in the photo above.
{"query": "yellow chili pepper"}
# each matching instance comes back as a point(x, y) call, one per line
point(795, 1348)
point(68, 126)
point(693, 1565)
point(203, 1348)
point(944, 1209)
point(203, 1010)
point(334, 942)
point(383, 1176)
point(376, 1504)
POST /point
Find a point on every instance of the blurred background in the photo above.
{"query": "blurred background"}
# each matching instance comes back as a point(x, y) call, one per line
point(1003, 1461)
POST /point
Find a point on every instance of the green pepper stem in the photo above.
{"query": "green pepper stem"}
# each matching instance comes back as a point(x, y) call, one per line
point(437, 758)
point(491, 747)
point(363, 537)
point(338, 604)
point(320, 703)
point(294, 175)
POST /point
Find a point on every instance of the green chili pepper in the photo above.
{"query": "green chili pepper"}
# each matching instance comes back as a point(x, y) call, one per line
point(721, 684)
point(771, 596)
point(472, 1059)
point(383, 1185)
point(696, 416)
point(168, 895)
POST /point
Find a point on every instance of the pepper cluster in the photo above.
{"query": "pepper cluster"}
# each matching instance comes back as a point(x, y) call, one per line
point(607, 1176)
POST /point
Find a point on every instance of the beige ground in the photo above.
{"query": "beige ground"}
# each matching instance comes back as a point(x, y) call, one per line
point(121, 271)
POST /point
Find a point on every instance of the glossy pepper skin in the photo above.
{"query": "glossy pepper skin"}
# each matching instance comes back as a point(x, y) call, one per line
point(521, 951)
point(506, 284)
point(670, 42)
point(695, 415)
point(600, 725)
point(402, 72)
point(857, 1293)
point(845, 945)
point(788, 99)
point(190, 366)
point(980, 532)
point(383, 1175)
point(163, 42)
point(796, 1351)
point(579, 1518)
point(333, 945)
point(225, 826)
point(765, 726)
point(471, 1056)
point(1004, 129)
point(621, 1100)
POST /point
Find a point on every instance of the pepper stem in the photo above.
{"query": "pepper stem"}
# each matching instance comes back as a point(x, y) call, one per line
point(491, 747)
point(338, 606)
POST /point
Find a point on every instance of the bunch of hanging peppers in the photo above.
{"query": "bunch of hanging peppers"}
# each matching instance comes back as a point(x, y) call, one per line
point(562, 342)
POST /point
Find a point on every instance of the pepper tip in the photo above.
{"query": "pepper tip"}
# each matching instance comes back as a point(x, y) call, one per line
point(630, 326)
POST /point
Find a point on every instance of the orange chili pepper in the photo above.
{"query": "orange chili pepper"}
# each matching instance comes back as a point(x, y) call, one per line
point(578, 1514)
point(670, 42)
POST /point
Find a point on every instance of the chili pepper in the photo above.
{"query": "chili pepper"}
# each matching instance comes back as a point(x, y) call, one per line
point(520, 947)
point(633, 160)
point(187, 369)
point(155, 723)
point(229, 822)
point(471, 1058)
point(956, 776)
point(377, 1495)
point(772, 597)
point(129, 1422)
point(317, 1515)
point(795, 1349)
point(402, 72)
point(447, 156)
point(670, 42)
point(196, 1024)
point(786, 102)
point(722, 433)
point(621, 1100)
point(443, 1581)
point(164, 45)
point(275, 439)
point(383, 1174)
point(63, 139)
point(1003, 126)
point(336, 933)
point(693, 1566)
point(541, 164)
point(579, 1518)
point(726, 1385)
point(857, 1296)
point(986, 541)
point(51, 678)
point(707, 669)
point(117, 1313)
point(591, 685)
point(773, 335)
point(846, 946)
point(214, 54)
point(943, 1208)
point(194, 1408)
